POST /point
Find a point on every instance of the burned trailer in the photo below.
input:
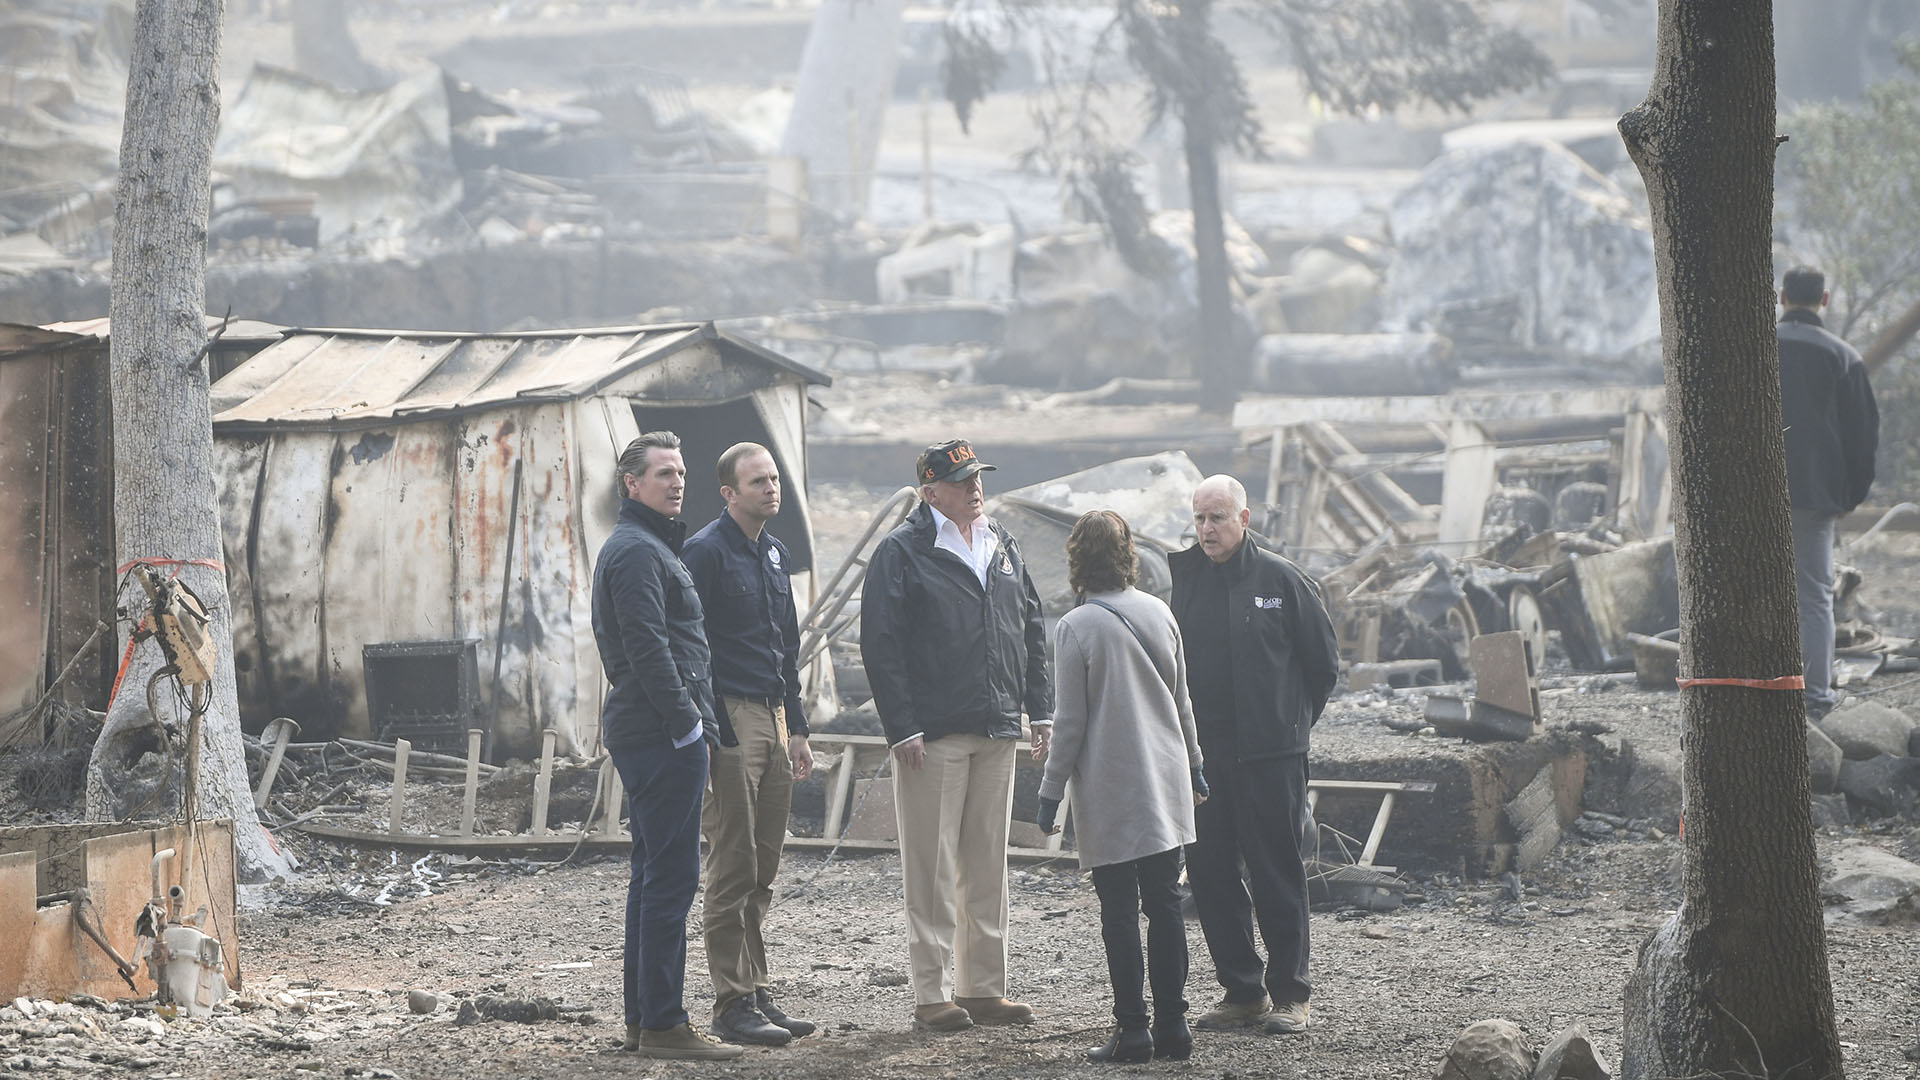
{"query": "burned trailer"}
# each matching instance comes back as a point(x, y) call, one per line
point(416, 514)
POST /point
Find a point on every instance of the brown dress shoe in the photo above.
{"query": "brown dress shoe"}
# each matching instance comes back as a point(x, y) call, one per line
point(995, 1010)
point(941, 1016)
point(683, 1043)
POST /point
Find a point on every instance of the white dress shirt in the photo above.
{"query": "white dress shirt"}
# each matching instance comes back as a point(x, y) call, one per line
point(980, 555)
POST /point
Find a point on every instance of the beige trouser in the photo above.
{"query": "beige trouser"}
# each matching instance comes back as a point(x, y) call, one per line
point(744, 823)
point(953, 814)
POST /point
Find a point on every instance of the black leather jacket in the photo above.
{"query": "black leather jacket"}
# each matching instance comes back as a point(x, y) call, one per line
point(647, 621)
point(1285, 657)
point(944, 655)
point(1833, 424)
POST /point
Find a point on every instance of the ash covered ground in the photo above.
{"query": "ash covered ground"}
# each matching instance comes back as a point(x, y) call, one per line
point(329, 958)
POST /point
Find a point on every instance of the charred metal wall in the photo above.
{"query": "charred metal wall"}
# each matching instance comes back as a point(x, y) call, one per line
point(336, 540)
point(56, 524)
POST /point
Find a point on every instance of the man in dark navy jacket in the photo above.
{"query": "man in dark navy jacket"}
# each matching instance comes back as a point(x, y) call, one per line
point(1833, 431)
point(657, 721)
point(741, 571)
point(952, 637)
point(1261, 662)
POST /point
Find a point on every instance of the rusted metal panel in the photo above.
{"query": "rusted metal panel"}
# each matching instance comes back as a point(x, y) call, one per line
point(80, 553)
point(43, 954)
point(389, 553)
point(289, 576)
point(239, 470)
point(538, 680)
point(26, 404)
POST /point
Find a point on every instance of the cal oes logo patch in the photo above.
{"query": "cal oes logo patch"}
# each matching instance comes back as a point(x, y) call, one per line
point(773, 556)
point(1267, 603)
point(1006, 564)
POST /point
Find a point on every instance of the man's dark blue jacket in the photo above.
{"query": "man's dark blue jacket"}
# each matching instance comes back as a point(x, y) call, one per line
point(1286, 659)
point(753, 628)
point(1833, 425)
point(647, 622)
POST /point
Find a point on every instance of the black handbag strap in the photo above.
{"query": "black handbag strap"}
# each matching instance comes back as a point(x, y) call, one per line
point(1128, 623)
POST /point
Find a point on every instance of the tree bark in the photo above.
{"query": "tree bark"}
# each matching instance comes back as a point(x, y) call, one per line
point(1736, 983)
point(164, 502)
point(1222, 362)
point(324, 49)
point(840, 97)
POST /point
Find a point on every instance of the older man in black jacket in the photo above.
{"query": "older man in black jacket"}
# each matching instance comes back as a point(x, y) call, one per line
point(1833, 431)
point(954, 646)
point(1261, 662)
point(656, 722)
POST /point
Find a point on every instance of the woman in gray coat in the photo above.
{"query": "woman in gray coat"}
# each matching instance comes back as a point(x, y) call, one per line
point(1123, 733)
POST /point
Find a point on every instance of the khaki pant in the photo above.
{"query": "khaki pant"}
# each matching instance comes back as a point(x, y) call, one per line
point(953, 815)
point(744, 823)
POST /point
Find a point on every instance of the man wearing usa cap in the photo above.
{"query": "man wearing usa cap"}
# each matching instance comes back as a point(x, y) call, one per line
point(954, 646)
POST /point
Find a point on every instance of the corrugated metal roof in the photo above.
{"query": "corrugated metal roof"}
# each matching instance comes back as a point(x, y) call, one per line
point(20, 338)
point(335, 376)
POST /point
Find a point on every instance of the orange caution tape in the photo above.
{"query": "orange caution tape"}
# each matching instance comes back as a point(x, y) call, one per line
point(124, 659)
point(1784, 682)
point(178, 565)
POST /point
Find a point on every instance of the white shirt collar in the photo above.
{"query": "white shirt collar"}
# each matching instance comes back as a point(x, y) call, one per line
point(943, 523)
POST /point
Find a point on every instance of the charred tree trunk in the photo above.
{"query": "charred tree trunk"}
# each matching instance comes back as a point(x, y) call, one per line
point(1736, 983)
point(164, 501)
point(324, 49)
point(1222, 361)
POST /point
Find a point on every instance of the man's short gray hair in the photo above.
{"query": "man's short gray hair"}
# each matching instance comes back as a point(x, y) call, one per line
point(1235, 490)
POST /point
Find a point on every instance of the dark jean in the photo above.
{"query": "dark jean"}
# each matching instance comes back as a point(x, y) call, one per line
point(664, 788)
point(1250, 834)
point(1150, 883)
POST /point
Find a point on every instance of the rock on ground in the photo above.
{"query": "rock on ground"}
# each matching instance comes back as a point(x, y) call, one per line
point(1874, 883)
point(1824, 756)
point(1885, 786)
point(1570, 1055)
point(1864, 729)
point(1488, 1050)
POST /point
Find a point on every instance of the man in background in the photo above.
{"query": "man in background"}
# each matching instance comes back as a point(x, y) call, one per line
point(1833, 432)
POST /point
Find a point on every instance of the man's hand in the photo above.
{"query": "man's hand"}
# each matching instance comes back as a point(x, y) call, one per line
point(802, 757)
point(1198, 798)
point(1042, 741)
point(912, 754)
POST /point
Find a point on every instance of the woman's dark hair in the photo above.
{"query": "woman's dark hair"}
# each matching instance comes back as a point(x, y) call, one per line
point(1100, 555)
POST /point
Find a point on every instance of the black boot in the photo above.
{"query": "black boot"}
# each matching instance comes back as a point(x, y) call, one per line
point(1129, 1044)
point(799, 1028)
point(1172, 1040)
